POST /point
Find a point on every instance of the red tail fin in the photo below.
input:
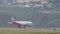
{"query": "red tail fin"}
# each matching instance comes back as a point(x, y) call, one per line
point(13, 19)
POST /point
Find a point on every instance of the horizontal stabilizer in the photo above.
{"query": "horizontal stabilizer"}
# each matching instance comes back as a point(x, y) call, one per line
point(10, 22)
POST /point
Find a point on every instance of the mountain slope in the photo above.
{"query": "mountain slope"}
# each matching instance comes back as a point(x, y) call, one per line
point(40, 18)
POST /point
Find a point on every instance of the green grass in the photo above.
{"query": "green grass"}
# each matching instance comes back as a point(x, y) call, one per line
point(28, 31)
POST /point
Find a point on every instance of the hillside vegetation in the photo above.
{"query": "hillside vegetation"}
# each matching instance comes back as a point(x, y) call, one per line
point(40, 18)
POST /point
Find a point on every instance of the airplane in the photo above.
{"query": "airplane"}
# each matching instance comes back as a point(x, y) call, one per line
point(21, 23)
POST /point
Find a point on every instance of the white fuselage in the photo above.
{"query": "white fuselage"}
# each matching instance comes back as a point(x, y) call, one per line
point(24, 22)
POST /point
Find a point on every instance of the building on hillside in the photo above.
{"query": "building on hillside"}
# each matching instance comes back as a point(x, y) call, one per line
point(21, 1)
point(44, 1)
